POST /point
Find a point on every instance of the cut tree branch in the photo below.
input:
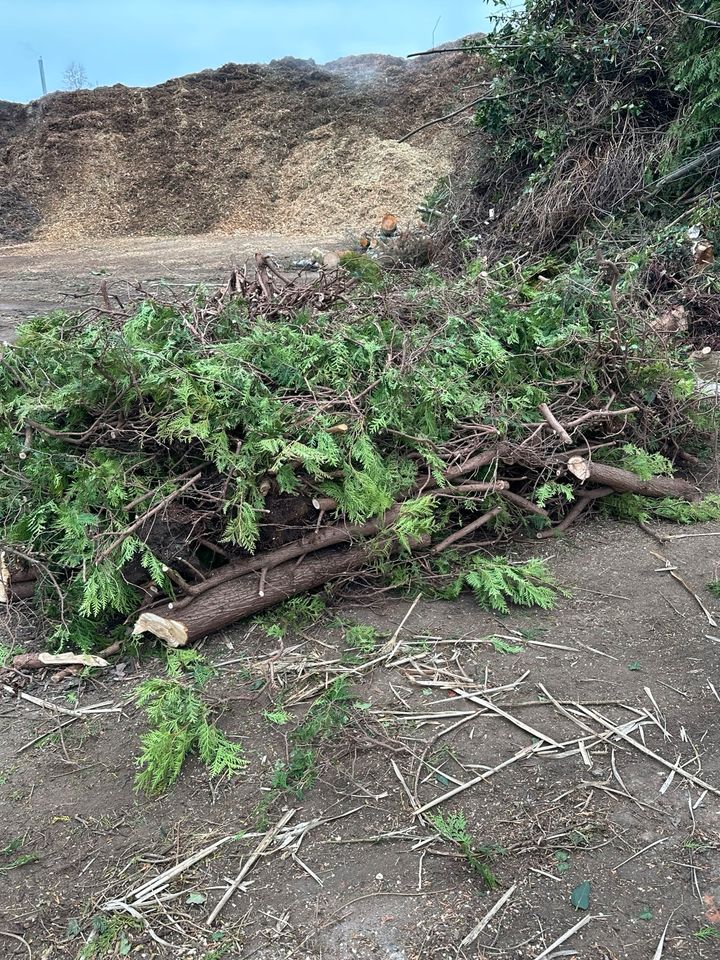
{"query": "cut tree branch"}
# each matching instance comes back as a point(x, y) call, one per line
point(623, 481)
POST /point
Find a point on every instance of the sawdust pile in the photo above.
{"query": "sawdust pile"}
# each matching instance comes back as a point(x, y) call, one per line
point(289, 147)
point(354, 179)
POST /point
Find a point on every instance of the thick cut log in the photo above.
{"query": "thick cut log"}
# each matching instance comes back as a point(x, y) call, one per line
point(334, 535)
point(15, 584)
point(624, 481)
point(328, 537)
point(236, 599)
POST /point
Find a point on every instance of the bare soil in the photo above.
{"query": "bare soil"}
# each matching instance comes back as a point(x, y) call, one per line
point(370, 880)
point(41, 276)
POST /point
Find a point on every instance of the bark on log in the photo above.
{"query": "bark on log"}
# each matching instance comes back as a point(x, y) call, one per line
point(239, 598)
point(328, 537)
point(624, 481)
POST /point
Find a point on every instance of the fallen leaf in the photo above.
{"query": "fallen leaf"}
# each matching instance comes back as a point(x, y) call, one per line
point(580, 897)
point(703, 253)
point(196, 898)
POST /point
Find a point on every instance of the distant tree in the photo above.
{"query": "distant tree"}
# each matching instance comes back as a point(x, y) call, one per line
point(75, 77)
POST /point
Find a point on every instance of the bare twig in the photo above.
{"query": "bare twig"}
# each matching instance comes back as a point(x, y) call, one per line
point(478, 929)
point(249, 863)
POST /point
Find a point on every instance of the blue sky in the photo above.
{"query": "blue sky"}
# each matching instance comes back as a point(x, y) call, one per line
point(142, 42)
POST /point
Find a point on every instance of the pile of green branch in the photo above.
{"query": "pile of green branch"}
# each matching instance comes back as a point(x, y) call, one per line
point(174, 468)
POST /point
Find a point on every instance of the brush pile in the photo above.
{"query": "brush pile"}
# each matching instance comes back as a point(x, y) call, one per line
point(172, 467)
point(175, 467)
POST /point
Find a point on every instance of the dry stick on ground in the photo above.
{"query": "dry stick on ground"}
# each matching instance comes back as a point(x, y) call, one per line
point(566, 936)
point(494, 708)
point(108, 651)
point(389, 649)
point(520, 755)
point(689, 589)
point(55, 708)
point(604, 722)
point(49, 733)
point(255, 855)
point(478, 929)
point(151, 887)
point(16, 936)
point(639, 852)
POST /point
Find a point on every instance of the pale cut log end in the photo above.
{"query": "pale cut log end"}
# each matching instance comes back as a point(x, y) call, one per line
point(4, 580)
point(579, 467)
point(172, 632)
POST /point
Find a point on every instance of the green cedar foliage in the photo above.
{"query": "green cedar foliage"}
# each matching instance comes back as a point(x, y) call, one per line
point(180, 725)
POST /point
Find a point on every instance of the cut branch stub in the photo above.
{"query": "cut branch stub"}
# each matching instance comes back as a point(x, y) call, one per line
point(624, 481)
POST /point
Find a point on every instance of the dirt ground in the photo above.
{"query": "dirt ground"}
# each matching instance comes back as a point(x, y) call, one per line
point(372, 879)
point(357, 873)
point(41, 276)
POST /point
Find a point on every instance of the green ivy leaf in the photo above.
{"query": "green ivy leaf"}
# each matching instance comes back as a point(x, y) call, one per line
point(198, 898)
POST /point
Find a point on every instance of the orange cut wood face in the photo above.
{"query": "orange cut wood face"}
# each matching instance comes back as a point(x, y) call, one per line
point(388, 224)
point(712, 910)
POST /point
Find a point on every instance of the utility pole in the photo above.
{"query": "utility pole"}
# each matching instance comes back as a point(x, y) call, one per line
point(42, 76)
